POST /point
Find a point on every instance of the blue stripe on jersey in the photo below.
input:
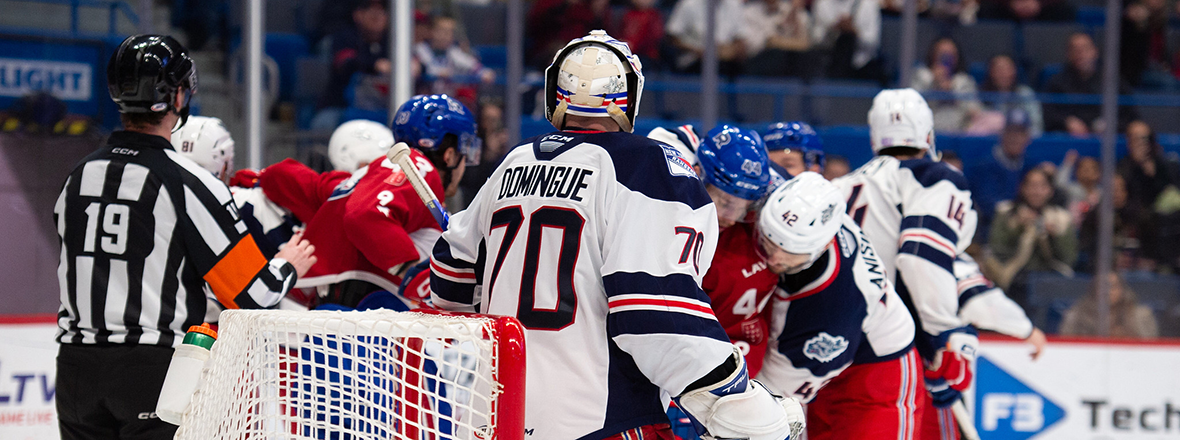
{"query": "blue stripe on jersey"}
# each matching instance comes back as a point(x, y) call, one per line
point(929, 172)
point(929, 253)
point(461, 293)
point(971, 293)
point(676, 284)
point(931, 223)
point(633, 400)
point(649, 322)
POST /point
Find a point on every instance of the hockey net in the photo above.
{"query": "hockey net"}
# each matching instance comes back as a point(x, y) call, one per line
point(376, 374)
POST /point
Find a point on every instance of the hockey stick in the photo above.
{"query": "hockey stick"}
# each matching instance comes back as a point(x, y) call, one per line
point(400, 155)
point(965, 423)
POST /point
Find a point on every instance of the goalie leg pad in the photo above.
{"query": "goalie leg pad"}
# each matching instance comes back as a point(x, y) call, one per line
point(738, 407)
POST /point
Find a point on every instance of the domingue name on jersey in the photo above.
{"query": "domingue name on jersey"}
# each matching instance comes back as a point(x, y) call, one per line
point(544, 180)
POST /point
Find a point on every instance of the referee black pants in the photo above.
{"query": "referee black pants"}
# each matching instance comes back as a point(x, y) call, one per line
point(110, 391)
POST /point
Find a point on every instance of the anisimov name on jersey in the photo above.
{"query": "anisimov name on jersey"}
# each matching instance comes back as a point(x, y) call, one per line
point(545, 180)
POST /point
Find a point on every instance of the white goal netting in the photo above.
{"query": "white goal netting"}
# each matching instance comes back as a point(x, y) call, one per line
point(377, 374)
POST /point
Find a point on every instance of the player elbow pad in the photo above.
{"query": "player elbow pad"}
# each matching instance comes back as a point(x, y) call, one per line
point(738, 407)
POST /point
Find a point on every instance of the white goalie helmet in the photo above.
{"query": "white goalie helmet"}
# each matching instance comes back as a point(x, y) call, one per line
point(356, 143)
point(205, 141)
point(594, 76)
point(802, 215)
point(901, 118)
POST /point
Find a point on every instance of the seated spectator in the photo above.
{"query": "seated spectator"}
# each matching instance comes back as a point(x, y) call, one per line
point(686, 28)
point(1027, 10)
point(849, 31)
point(1083, 194)
point(551, 24)
point(945, 73)
point(1133, 238)
point(1006, 93)
point(777, 37)
point(1147, 171)
point(1081, 76)
point(447, 68)
point(362, 48)
point(836, 166)
point(1030, 234)
point(997, 178)
point(642, 28)
point(1128, 318)
point(1143, 54)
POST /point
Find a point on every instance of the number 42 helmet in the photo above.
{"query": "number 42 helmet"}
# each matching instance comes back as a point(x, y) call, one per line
point(803, 215)
point(594, 76)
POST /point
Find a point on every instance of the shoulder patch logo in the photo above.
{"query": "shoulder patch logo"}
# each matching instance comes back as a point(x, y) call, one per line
point(846, 244)
point(824, 347)
point(677, 164)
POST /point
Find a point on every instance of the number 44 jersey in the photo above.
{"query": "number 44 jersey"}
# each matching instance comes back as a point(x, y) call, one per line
point(597, 242)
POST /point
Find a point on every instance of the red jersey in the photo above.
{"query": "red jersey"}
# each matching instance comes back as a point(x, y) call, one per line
point(366, 227)
point(739, 286)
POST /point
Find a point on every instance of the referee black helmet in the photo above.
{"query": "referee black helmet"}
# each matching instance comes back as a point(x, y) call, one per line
point(145, 73)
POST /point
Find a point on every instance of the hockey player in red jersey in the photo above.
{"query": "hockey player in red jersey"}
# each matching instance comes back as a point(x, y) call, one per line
point(372, 226)
point(842, 338)
point(736, 174)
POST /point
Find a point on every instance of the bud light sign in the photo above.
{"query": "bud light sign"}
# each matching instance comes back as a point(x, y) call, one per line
point(68, 81)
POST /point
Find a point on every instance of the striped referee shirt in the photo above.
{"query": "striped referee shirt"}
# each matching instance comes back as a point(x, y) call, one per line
point(142, 231)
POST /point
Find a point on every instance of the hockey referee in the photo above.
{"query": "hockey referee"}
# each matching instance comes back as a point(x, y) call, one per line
point(143, 230)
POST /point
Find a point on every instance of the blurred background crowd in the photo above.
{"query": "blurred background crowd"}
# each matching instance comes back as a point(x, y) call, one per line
point(1012, 83)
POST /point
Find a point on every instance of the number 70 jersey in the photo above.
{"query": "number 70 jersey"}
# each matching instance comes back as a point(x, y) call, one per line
point(597, 242)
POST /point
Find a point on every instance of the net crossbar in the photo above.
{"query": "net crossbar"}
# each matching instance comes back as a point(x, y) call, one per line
point(376, 374)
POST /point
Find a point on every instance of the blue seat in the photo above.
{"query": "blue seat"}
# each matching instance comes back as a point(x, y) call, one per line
point(1047, 71)
point(495, 57)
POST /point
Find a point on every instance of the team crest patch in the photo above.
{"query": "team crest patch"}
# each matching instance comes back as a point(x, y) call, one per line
point(398, 178)
point(677, 164)
point(825, 347)
point(827, 214)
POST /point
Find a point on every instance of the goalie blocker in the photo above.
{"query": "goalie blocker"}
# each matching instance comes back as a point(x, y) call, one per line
point(726, 403)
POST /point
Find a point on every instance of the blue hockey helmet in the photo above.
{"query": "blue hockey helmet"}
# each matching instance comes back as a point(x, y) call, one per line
point(734, 160)
point(797, 136)
point(425, 120)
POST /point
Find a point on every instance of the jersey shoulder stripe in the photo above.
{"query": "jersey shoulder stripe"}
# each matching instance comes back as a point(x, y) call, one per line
point(929, 253)
point(642, 165)
point(933, 224)
point(928, 173)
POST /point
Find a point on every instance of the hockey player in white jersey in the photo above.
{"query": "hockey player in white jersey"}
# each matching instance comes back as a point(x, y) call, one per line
point(841, 337)
point(986, 307)
point(917, 212)
point(596, 239)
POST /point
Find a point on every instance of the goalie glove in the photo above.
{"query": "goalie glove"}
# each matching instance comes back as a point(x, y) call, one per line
point(740, 408)
point(951, 370)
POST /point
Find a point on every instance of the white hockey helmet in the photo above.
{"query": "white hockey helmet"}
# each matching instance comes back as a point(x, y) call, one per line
point(684, 138)
point(901, 118)
point(594, 76)
point(206, 141)
point(802, 215)
point(356, 143)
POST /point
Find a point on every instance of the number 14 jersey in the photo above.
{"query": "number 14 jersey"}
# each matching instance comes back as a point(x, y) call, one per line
point(597, 242)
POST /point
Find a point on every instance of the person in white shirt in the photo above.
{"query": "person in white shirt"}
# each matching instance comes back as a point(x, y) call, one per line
point(686, 27)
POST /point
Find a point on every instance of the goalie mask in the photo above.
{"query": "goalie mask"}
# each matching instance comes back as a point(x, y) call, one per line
point(594, 76)
point(901, 118)
point(356, 143)
point(803, 215)
point(206, 141)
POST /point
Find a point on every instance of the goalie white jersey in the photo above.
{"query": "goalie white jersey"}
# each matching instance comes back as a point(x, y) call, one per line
point(919, 217)
point(597, 242)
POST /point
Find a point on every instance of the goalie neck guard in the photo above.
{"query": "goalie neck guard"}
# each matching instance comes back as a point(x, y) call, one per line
point(594, 76)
